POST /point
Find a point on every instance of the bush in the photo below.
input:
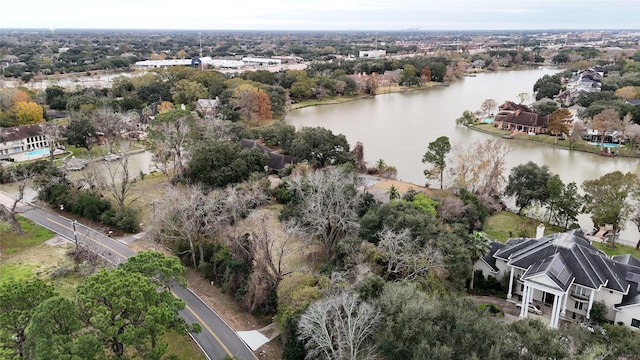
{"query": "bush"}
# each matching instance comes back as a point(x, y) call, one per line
point(90, 206)
point(486, 286)
point(126, 219)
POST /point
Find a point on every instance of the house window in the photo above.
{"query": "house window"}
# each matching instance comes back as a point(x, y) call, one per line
point(581, 291)
point(578, 305)
point(635, 323)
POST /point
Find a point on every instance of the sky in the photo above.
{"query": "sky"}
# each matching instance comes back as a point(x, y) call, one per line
point(322, 14)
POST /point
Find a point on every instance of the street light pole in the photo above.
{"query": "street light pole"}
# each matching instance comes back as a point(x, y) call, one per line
point(75, 238)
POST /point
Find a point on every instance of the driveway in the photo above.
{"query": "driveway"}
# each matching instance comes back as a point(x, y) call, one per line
point(511, 312)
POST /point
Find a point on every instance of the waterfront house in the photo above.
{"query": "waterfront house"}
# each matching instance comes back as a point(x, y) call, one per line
point(581, 82)
point(520, 118)
point(564, 273)
point(18, 139)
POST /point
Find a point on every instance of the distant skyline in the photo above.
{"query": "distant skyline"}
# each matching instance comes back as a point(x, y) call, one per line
point(323, 15)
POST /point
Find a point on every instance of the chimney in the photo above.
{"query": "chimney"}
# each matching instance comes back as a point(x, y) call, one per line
point(540, 231)
point(518, 112)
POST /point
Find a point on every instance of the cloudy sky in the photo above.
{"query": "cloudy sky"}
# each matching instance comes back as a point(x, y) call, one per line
point(322, 14)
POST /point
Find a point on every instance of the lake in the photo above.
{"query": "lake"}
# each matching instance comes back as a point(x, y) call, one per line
point(398, 128)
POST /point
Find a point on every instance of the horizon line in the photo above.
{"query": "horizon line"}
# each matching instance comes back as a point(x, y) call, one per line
point(321, 30)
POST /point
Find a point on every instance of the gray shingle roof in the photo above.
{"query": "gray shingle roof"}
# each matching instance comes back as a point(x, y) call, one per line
point(590, 267)
point(489, 258)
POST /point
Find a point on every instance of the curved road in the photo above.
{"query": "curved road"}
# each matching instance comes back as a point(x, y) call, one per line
point(216, 339)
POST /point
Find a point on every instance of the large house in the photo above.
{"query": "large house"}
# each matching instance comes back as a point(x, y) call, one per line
point(208, 107)
point(566, 273)
point(18, 139)
point(520, 118)
point(581, 82)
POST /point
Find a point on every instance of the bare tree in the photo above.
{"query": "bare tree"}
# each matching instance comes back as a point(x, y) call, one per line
point(406, 256)
point(9, 213)
point(119, 181)
point(329, 200)
point(488, 106)
point(187, 214)
point(110, 124)
point(636, 220)
point(170, 134)
point(631, 131)
point(607, 120)
point(451, 209)
point(575, 135)
point(52, 134)
point(247, 104)
point(523, 97)
point(480, 167)
point(268, 252)
point(340, 327)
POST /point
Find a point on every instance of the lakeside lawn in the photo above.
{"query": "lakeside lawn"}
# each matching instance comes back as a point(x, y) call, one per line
point(505, 224)
point(580, 145)
point(618, 250)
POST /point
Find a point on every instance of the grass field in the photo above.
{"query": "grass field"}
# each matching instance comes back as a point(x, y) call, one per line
point(33, 235)
point(504, 225)
point(618, 250)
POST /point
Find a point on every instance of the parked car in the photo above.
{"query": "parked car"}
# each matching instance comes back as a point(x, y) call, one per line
point(536, 309)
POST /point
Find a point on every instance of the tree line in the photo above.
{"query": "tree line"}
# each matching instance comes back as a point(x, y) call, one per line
point(115, 313)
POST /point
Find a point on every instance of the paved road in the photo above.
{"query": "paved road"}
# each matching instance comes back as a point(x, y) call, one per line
point(216, 339)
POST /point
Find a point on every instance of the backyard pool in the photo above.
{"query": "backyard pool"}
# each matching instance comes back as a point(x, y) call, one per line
point(607, 145)
point(37, 152)
point(487, 121)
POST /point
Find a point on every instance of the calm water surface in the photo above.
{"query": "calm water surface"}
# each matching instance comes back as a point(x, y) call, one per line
point(398, 127)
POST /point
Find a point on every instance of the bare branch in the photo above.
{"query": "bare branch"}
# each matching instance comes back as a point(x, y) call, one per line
point(340, 327)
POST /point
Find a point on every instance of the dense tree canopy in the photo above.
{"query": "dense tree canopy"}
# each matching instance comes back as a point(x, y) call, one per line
point(528, 184)
point(18, 302)
point(608, 198)
point(128, 312)
point(320, 147)
point(218, 163)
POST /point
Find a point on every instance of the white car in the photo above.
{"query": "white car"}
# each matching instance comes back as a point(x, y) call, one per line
point(532, 308)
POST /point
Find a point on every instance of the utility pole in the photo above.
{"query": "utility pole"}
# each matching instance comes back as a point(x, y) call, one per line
point(75, 238)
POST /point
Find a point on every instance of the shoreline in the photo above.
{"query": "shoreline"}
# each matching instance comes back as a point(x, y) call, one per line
point(518, 138)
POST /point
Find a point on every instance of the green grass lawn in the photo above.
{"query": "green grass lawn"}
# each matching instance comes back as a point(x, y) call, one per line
point(504, 225)
point(580, 145)
point(618, 250)
point(182, 346)
point(33, 235)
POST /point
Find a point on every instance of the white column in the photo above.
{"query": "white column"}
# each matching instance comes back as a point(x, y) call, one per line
point(525, 302)
point(554, 313)
point(510, 293)
point(565, 296)
point(590, 302)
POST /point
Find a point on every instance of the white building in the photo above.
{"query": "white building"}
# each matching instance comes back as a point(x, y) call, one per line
point(372, 54)
point(18, 139)
point(261, 61)
point(565, 272)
